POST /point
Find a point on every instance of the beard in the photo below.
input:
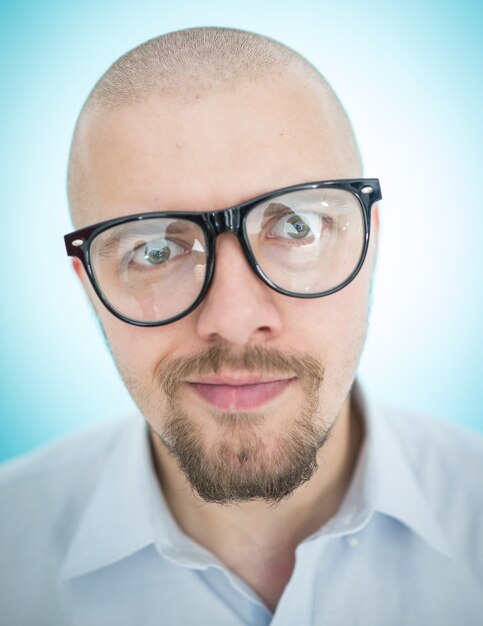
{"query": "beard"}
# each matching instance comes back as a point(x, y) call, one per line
point(242, 464)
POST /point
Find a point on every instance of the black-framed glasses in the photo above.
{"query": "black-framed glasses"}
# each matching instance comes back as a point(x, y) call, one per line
point(304, 241)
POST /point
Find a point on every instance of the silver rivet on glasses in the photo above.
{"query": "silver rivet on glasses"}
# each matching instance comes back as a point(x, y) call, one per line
point(77, 242)
point(367, 189)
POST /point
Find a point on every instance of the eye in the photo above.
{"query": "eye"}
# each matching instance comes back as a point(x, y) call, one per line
point(156, 252)
point(301, 225)
point(296, 227)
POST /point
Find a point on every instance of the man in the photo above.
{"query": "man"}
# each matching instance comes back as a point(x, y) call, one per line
point(227, 239)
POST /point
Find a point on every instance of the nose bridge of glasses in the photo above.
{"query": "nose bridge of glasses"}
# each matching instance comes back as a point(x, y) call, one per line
point(225, 221)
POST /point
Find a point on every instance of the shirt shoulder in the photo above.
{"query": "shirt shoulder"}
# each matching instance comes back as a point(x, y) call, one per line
point(428, 441)
point(447, 462)
point(43, 493)
point(67, 454)
point(43, 497)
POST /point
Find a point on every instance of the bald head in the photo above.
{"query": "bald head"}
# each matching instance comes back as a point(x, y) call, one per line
point(190, 65)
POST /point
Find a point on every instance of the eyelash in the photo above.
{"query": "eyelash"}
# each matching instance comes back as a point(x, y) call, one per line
point(129, 262)
point(325, 219)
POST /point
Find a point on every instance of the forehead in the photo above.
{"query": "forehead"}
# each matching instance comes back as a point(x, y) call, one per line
point(208, 152)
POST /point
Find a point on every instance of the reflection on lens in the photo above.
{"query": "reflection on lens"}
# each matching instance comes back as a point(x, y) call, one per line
point(150, 270)
point(307, 241)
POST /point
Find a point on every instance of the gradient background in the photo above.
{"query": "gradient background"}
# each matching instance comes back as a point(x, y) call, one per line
point(410, 77)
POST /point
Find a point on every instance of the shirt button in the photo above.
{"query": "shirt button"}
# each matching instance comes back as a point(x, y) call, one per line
point(352, 541)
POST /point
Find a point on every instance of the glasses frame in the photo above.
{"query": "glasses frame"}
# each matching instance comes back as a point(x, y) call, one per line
point(230, 220)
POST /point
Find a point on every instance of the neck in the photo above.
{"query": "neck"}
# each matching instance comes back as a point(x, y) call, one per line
point(253, 537)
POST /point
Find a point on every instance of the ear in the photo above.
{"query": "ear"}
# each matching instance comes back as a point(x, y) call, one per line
point(375, 220)
point(86, 283)
point(81, 274)
point(79, 269)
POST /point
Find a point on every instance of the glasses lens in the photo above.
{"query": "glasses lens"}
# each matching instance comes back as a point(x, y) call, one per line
point(150, 270)
point(307, 241)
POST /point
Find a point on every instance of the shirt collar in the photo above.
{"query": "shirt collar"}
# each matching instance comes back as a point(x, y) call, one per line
point(127, 511)
point(117, 519)
point(385, 483)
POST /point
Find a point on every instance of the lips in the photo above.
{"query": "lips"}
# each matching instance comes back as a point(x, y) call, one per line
point(238, 395)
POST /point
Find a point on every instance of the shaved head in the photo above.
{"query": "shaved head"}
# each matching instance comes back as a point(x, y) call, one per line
point(190, 65)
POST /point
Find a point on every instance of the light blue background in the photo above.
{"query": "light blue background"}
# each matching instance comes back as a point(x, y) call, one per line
point(409, 74)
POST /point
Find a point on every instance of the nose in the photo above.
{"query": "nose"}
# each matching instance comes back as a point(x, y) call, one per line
point(238, 308)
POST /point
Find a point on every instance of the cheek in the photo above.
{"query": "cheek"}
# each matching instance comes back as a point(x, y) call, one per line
point(333, 330)
point(139, 351)
point(331, 322)
point(133, 347)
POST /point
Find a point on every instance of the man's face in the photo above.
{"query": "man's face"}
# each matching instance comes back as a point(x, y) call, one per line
point(295, 358)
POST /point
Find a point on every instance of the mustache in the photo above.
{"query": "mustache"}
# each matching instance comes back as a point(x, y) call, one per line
point(262, 360)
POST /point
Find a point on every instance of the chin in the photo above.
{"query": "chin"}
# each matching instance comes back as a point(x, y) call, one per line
point(242, 459)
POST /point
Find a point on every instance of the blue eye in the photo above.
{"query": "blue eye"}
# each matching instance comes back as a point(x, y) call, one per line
point(156, 253)
point(298, 226)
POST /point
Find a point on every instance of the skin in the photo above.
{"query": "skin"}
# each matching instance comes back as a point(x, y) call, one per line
point(207, 153)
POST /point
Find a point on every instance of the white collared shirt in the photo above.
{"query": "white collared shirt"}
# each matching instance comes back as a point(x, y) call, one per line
point(87, 539)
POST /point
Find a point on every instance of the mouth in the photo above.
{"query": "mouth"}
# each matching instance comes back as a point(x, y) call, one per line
point(238, 394)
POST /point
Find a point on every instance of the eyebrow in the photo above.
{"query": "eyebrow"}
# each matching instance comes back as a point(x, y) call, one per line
point(335, 203)
point(275, 207)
